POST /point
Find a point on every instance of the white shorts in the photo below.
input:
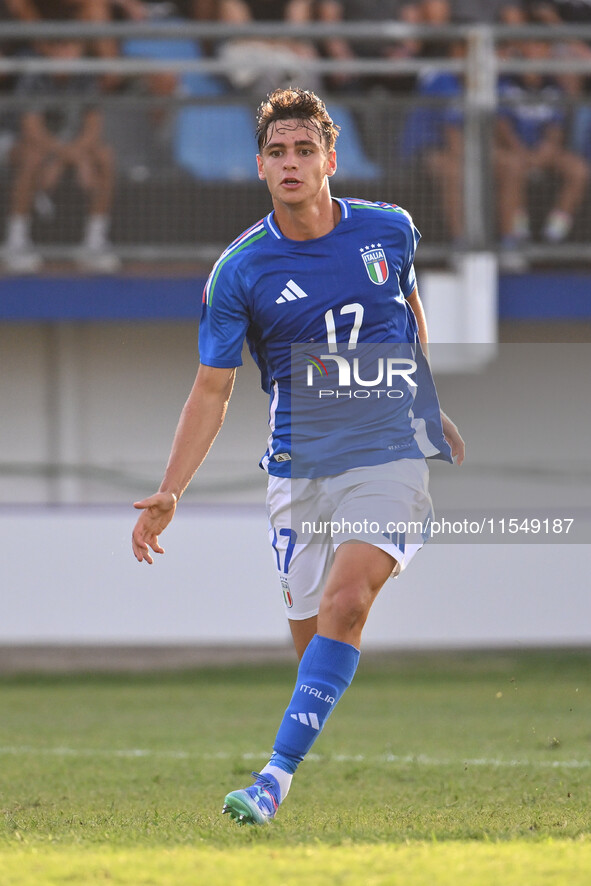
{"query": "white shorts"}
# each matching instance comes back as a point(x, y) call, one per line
point(388, 506)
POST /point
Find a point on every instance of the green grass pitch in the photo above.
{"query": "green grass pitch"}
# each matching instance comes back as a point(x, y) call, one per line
point(471, 769)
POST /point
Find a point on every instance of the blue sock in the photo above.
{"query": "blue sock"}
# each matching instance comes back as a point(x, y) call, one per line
point(288, 764)
point(326, 670)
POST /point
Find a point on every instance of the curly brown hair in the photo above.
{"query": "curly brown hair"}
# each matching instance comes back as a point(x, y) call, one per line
point(296, 104)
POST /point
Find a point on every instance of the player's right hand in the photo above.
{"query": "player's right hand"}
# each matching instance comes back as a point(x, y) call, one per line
point(157, 512)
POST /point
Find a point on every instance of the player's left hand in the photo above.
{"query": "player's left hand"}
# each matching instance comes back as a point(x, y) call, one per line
point(454, 438)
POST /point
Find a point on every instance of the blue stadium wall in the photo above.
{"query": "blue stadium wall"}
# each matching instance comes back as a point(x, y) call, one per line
point(536, 296)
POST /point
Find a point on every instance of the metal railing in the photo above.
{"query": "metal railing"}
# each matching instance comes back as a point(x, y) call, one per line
point(377, 116)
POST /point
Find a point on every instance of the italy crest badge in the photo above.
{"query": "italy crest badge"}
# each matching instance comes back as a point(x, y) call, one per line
point(376, 265)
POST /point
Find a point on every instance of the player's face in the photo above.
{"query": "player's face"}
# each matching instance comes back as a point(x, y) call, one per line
point(294, 162)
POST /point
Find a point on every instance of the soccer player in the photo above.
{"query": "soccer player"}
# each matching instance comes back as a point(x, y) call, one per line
point(316, 273)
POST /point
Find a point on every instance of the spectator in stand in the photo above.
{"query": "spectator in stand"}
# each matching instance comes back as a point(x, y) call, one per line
point(144, 134)
point(566, 12)
point(560, 12)
point(99, 11)
point(412, 12)
point(434, 136)
point(8, 118)
point(61, 10)
point(484, 12)
point(140, 10)
point(9, 11)
point(259, 66)
point(37, 10)
point(466, 12)
point(18, 9)
point(67, 134)
point(489, 12)
point(58, 10)
point(557, 12)
point(164, 83)
point(160, 83)
point(533, 126)
point(67, 10)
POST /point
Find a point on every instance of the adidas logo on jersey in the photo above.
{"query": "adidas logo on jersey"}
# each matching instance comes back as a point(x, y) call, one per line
point(307, 720)
point(291, 293)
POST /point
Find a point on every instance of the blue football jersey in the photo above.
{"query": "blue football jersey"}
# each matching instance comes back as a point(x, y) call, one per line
point(347, 290)
point(530, 119)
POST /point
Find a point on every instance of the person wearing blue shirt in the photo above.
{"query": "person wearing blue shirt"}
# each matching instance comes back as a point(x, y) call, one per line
point(324, 292)
point(532, 126)
point(433, 135)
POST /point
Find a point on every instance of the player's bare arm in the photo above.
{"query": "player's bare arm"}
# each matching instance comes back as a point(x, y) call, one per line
point(414, 300)
point(450, 429)
point(200, 421)
point(454, 438)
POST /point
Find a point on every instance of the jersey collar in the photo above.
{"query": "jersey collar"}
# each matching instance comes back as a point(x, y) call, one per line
point(275, 232)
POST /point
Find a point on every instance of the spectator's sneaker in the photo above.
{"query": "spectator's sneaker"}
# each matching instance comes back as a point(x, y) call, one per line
point(256, 804)
point(558, 226)
point(98, 261)
point(44, 205)
point(520, 230)
point(21, 261)
point(511, 259)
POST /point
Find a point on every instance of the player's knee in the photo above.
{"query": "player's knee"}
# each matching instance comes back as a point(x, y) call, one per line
point(348, 605)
